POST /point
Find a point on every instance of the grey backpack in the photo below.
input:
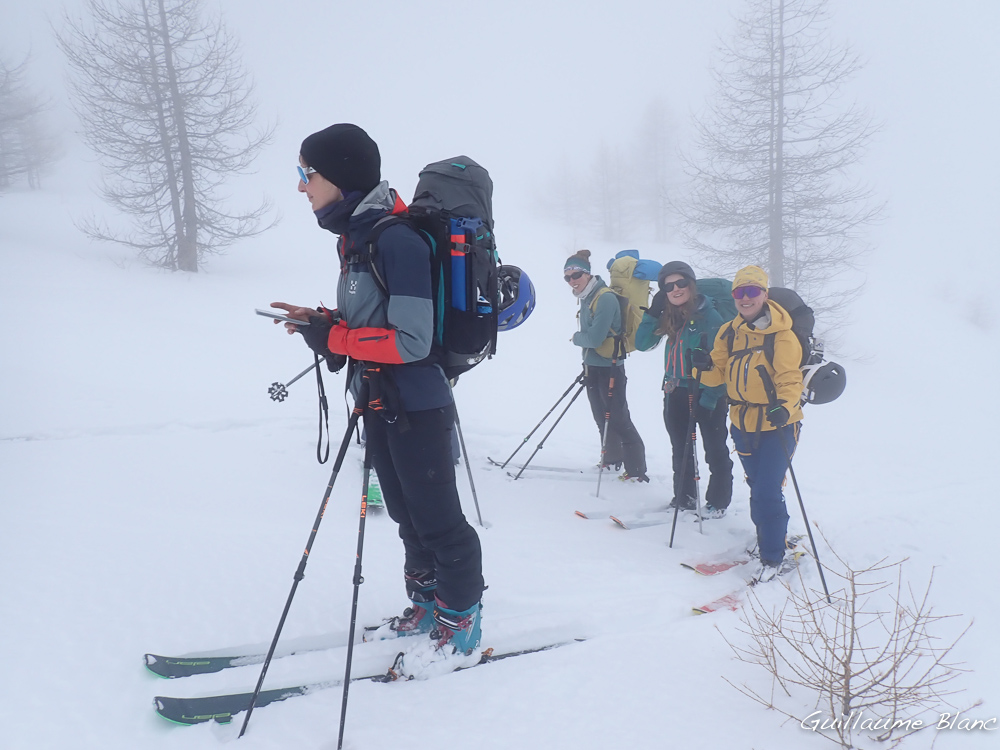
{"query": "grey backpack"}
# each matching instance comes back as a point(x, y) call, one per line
point(452, 209)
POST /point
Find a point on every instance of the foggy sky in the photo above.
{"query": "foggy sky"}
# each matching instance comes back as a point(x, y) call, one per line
point(521, 85)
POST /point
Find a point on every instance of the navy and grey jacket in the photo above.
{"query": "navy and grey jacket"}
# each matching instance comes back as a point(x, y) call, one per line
point(396, 329)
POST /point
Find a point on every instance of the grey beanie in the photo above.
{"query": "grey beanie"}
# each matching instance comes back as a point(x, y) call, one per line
point(675, 266)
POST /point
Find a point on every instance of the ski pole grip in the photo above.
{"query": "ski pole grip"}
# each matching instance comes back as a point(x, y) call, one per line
point(703, 345)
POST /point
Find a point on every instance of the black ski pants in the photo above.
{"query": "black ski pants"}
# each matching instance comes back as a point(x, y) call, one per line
point(623, 442)
point(712, 426)
point(416, 471)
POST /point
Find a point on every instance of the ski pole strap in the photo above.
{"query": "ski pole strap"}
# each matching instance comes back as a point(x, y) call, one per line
point(772, 392)
point(737, 402)
point(744, 407)
point(324, 415)
point(383, 395)
point(769, 389)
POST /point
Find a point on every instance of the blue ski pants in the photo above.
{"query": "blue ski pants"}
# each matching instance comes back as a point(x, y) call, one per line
point(765, 462)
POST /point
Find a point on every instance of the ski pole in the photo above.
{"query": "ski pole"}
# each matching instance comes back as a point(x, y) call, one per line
point(604, 436)
point(554, 425)
point(616, 352)
point(692, 427)
point(577, 381)
point(694, 457)
point(358, 580)
point(468, 468)
point(300, 571)
point(279, 391)
point(772, 397)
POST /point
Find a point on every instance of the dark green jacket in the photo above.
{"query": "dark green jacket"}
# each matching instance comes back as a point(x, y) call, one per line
point(677, 358)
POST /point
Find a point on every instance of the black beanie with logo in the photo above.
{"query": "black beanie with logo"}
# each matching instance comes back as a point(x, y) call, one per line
point(345, 155)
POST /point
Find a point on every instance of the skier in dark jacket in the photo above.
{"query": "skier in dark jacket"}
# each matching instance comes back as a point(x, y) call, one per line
point(686, 318)
point(386, 338)
point(600, 323)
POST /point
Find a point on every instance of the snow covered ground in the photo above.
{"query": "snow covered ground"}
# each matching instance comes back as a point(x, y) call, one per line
point(152, 498)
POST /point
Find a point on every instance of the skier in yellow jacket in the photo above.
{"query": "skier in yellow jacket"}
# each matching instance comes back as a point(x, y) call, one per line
point(757, 357)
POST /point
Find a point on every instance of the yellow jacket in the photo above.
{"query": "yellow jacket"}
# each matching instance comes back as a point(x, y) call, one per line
point(738, 371)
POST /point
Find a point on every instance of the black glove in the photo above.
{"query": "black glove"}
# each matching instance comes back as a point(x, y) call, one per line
point(336, 362)
point(777, 416)
point(702, 359)
point(658, 305)
point(317, 333)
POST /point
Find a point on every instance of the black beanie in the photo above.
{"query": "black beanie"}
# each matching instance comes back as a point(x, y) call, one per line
point(675, 266)
point(345, 155)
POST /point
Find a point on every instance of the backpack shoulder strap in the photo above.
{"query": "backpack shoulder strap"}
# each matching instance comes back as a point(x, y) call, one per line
point(600, 293)
point(370, 250)
point(623, 302)
point(730, 336)
point(769, 348)
point(618, 337)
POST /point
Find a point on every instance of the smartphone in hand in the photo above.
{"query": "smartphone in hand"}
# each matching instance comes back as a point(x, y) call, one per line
point(282, 317)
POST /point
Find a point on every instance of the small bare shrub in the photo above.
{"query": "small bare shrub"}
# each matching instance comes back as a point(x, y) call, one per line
point(869, 661)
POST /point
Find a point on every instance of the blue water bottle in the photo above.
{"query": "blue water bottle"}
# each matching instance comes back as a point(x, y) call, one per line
point(458, 245)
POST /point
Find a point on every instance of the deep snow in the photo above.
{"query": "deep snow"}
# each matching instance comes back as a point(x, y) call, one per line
point(152, 498)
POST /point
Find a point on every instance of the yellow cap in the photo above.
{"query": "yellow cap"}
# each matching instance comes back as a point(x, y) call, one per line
point(750, 276)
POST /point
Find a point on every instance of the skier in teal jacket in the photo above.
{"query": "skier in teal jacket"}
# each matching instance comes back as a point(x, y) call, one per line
point(600, 324)
point(687, 318)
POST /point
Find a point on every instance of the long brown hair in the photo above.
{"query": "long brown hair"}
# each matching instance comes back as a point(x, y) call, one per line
point(675, 317)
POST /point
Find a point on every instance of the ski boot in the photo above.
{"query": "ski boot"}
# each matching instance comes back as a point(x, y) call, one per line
point(768, 570)
point(683, 503)
point(418, 618)
point(452, 644)
point(626, 477)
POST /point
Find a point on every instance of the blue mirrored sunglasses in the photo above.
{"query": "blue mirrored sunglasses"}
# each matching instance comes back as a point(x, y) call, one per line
point(304, 173)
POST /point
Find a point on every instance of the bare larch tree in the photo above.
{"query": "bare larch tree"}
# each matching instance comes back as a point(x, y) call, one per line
point(770, 179)
point(168, 107)
point(27, 145)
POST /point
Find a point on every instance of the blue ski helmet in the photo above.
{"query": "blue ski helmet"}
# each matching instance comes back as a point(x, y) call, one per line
point(517, 298)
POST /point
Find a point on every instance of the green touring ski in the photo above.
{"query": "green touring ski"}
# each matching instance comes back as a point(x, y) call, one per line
point(222, 708)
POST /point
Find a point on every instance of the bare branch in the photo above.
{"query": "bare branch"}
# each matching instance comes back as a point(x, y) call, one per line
point(872, 651)
point(768, 183)
point(169, 109)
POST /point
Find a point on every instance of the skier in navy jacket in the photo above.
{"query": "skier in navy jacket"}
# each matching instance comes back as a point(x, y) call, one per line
point(386, 338)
